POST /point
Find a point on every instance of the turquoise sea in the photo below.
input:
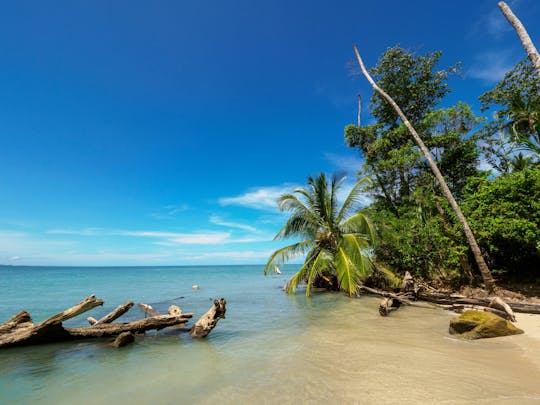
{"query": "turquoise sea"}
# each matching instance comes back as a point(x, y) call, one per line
point(271, 348)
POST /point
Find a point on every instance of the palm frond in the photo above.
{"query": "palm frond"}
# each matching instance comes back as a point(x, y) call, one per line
point(284, 254)
point(352, 199)
point(318, 265)
point(359, 223)
point(347, 272)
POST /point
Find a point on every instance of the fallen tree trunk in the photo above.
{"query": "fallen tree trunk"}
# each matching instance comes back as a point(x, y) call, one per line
point(123, 339)
point(111, 316)
point(522, 307)
point(388, 305)
point(402, 299)
point(209, 320)
point(19, 330)
point(140, 326)
point(50, 329)
point(21, 320)
point(459, 308)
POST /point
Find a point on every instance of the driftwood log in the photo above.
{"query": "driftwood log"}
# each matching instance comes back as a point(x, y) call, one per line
point(140, 326)
point(111, 316)
point(450, 299)
point(454, 302)
point(20, 330)
point(124, 339)
point(209, 320)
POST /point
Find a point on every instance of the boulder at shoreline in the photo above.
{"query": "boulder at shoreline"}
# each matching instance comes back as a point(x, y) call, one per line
point(479, 324)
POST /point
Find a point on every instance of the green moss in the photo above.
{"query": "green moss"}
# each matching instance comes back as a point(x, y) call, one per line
point(480, 324)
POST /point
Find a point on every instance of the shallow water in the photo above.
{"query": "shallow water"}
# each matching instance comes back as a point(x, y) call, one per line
point(271, 348)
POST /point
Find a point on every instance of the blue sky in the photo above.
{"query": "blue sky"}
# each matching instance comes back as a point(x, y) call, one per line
point(161, 133)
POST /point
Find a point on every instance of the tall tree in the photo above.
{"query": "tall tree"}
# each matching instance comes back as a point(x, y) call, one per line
point(336, 240)
point(516, 100)
point(390, 153)
point(524, 37)
point(482, 266)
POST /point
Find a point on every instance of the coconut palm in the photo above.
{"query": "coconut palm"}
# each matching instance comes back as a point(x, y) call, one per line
point(336, 240)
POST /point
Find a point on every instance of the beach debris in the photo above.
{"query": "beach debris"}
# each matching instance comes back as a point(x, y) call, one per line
point(20, 330)
point(209, 320)
point(411, 293)
point(111, 316)
point(148, 310)
point(123, 339)
point(479, 325)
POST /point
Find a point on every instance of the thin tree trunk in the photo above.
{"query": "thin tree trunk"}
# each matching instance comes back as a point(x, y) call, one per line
point(482, 266)
point(524, 37)
point(359, 109)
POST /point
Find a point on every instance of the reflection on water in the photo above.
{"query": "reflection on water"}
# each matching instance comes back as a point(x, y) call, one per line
point(275, 348)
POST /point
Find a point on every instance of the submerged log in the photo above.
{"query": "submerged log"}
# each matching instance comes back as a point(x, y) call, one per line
point(124, 339)
point(111, 316)
point(388, 305)
point(21, 320)
point(209, 320)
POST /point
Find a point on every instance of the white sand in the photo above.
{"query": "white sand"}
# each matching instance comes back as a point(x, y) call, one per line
point(530, 323)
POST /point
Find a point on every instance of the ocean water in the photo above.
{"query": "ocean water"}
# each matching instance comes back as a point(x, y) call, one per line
point(271, 348)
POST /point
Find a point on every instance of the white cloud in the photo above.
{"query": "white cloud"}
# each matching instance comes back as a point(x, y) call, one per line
point(217, 220)
point(262, 198)
point(349, 164)
point(239, 255)
point(169, 211)
point(78, 232)
point(209, 238)
point(492, 66)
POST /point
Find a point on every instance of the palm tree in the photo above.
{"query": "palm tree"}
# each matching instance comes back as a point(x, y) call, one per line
point(336, 240)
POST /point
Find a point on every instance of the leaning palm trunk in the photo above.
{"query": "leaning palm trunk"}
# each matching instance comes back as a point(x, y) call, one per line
point(524, 37)
point(482, 266)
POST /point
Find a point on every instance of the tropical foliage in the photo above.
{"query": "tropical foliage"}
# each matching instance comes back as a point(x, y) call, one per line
point(417, 230)
point(336, 240)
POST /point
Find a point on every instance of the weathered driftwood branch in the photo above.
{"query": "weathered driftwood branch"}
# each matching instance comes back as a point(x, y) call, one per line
point(498, 303)
point(19, 330)
point(524, 37)
point(209, 320)
point(140, 326)
point(21, 320)
point(124, 339)
point(459, 308)
point(148, 309)
point(449, 299)
point(83, 306)
point(388, 305)
point(484, 270)
point(111, 316)
point(50, 329)
point(401, 299)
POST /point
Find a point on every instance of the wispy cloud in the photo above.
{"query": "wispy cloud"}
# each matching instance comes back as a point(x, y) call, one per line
point(492, 66)
point(217, 220)
point(262, 198)
point(169, 211)
point(348, 164)
point(232, 255)
point(78, 232)
point(209, 238)
point(167, 238)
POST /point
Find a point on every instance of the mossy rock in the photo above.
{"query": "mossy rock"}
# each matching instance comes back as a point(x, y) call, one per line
point(480, 324)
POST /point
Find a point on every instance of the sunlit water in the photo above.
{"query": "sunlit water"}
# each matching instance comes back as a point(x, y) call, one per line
point(271, 348)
